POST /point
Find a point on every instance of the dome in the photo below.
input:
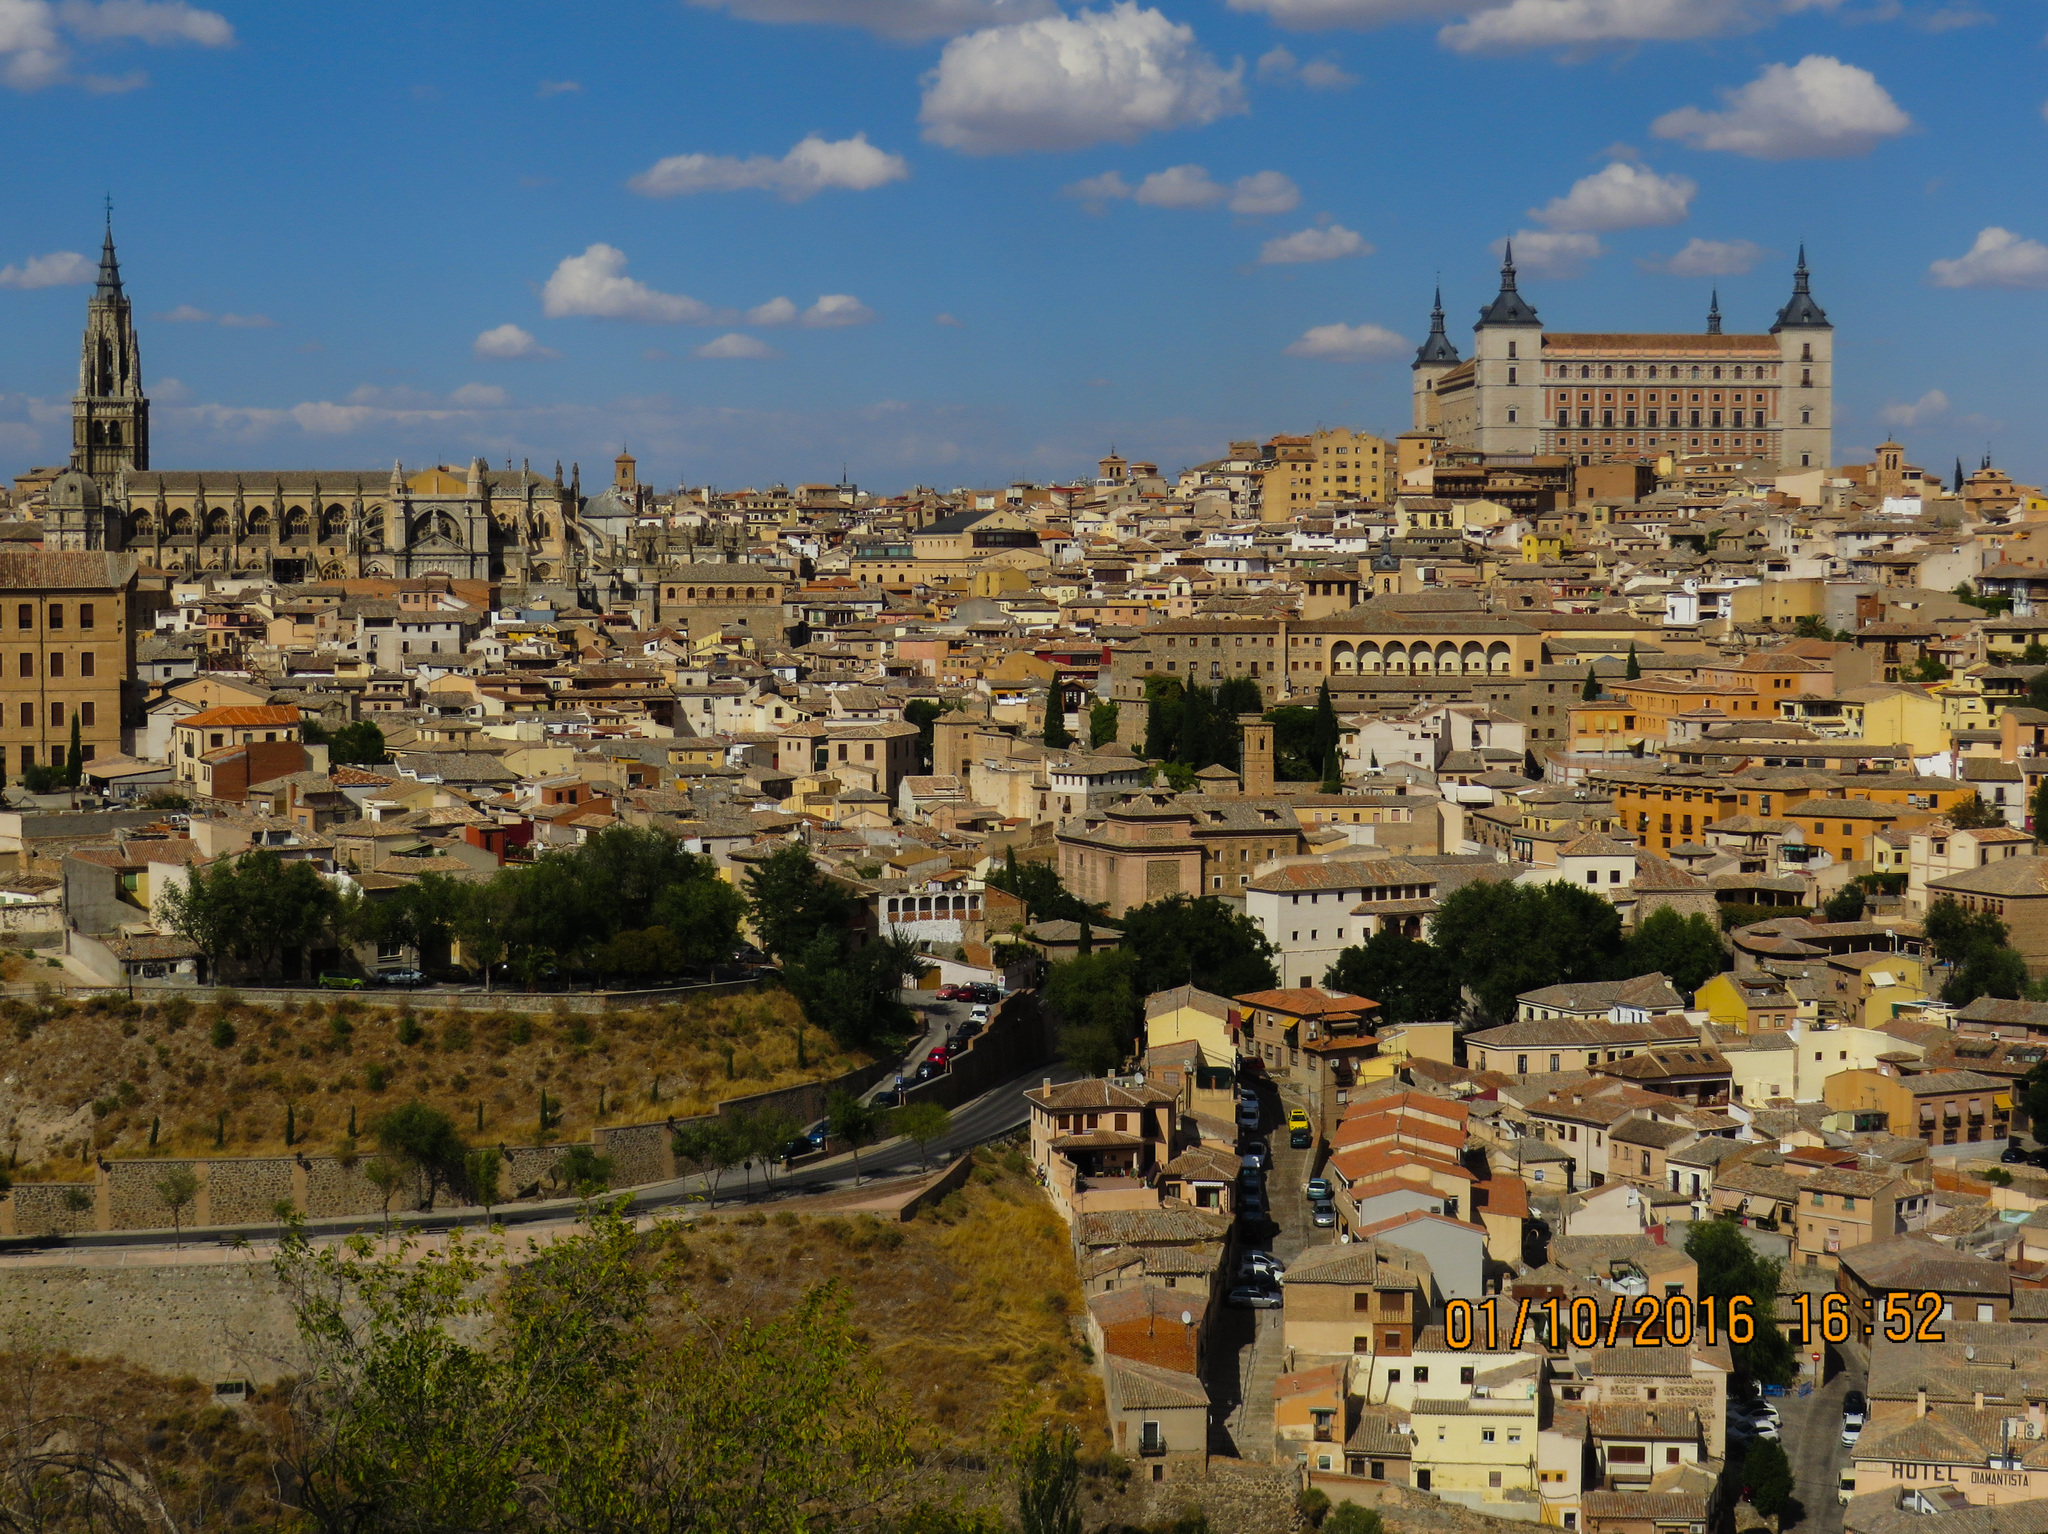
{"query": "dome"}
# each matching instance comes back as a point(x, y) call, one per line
point(74, 489)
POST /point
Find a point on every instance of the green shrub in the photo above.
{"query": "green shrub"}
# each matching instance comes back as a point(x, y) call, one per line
point(222, 1035)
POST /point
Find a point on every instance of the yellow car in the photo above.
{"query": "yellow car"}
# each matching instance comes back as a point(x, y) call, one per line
point(1296, 1119)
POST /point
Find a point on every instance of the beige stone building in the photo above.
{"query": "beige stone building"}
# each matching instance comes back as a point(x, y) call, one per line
point(68, 620)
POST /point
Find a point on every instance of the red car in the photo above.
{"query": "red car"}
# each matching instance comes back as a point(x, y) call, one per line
point(938, 1056)
point(956, 993)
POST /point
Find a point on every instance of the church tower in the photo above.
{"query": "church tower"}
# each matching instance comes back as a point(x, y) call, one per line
point(1433, 358)
point(1806, 345)
point(110, 415)
point(1507, 372)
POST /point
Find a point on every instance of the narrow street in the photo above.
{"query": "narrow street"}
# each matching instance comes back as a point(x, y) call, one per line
point(1813, 1443)
point(1247, 1351)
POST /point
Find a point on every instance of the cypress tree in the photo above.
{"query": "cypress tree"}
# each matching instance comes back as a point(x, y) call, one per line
point(1087, 944)
point(1333, 773)
point(1328, 734)
point(1196, 736)
point(291, 1125)
point(1634, 671)
point(1592, 688)
point(2040, 827)
point(1057, 735)
point(74, 760)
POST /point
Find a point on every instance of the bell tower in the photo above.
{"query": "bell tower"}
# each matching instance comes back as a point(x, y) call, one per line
point(110, 415)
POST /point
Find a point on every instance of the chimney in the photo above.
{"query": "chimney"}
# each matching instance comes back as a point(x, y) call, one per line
point(1920, 1402)
point(1257, 774)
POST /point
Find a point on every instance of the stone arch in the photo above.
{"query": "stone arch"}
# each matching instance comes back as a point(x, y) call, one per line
point(333, 570)
point(334, 525)
point(1370, 661)
point(259, 522)
point(1397, 659)
point(373, 529)
point(375, 567)
point(1472, 658)
point(217, 522)
point(1500, 660)
point(1447, 659)
point(543, 571)
point(298, 523)
point(144, 524)
point(181, 523)
point(1343, 657)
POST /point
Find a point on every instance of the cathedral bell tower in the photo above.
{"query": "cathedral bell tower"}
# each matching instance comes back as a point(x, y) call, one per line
point(110, 415)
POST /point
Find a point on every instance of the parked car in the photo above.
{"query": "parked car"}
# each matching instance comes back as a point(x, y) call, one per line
point(926, 1071)
point(1322, 1215)
point(409, 978)
point(1255, 1152)
point(887, 1098)
point(1296, 1119)
point(341, 982)
point(1247, 1116)
point(1855, 1404)
point(1317, 1189)
point(1257, 1264)
point(939, 1055)
point(1255, 1297)
point(1301, 1139)
point(956, 993)
point(1251, 1203)
point(988, 995)
point(2012, 1154)
point(1249, 1170)
point(1851, 1431)
point(978, 1015)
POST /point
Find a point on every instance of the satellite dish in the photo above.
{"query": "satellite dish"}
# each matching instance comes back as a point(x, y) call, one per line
point(1187, 1318)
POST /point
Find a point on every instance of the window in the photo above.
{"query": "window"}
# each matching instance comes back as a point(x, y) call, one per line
point(25, 616)
point(28, 718)
point(57, 664)
point(56, 715)
point(85, 615)
point(56, 615)
point(28, 663)
point(1393, 1376)
point(1422, 1376)
point(1492, 1476)
point(1627, 1454)
point(85, 663)
point(1465, 1374)
point(1486, 1436)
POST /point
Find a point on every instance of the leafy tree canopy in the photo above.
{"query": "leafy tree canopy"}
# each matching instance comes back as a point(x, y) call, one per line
point(1197, 941)
point(1730, 1267)
point(1511, 938)
point(1688, 949)
point(1097, 1006)
point(1412, 981)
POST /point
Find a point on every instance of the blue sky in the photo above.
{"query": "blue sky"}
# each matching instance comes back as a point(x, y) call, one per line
point(960, 241)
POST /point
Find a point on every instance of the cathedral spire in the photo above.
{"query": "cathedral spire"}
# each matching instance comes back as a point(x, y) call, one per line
point(1801, 312)
point(1438, 348)
point(110, 268)
point(1508, 306)
point(110, 413)
point(1714, 314)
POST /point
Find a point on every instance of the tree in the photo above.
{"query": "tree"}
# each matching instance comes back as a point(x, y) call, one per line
point(856, 1122)
point(1974, 944)
point(1197, 941)
point(256, 907)
point(454, 1389)
point(1333, 773)
point(1730, 1268)
point(1973, 814)
point(1412, 981)
point(1633, 672)
point(1845, 904)
point(1096, 1005)
point(1294, 758)
point(174, 1190)
point(1686, 949)
point(425, 1142)
point(2035, 654)
point(1038, 886)
point(2040, 817)
point(1511, 938)
point(1057, 736)
point(921, 1123)
point(361, 743)
point(482, 1170)
point(1049, 1483)
point(1768, 1474)
point(702, 914)
point(1591, 690)
point(1102, 723)
point(583, 1171)
point(1925, 669)
point(792, 904)
point(1328, 734)
point(384, 1175)
point(712, 1148)
point(74, 759)
point(924, 713)
point(1162, 717)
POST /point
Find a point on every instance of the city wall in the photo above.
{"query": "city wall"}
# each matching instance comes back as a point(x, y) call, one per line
point(215, 1322)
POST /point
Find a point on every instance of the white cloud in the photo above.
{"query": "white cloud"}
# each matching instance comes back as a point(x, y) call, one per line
point(1817, 108)
point(508, 343)
point(36, 37)
point(777, 311)
point(835, 311)
point(1927, 407)
point(478, 396)
point(549, 88)
point(1304, 245)
point(1180, 186)
point(1348, 343)
point(907, 20)
point(1551, 252)
point(60, 268)
point(595, 285)
point(150, 21)
point(1315, 15)
point(1266, 191)
point(189, 314)
point(1065, 82)
point(1327, 75)
point(1555, 23)
point(1622, 196)
point(1280, 67)
point(1999, 259)
point(736, 348)
point(951, 321)
point(1708, 258)
point(1097, 190)
point(813, 166)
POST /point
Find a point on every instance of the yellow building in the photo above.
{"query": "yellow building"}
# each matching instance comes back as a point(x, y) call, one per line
point(1777, 601)
point(1547, 547)
point(1185, 1015)
point(1757, 1003)
point(1477, 1452)
point(1883, 714)
point(1353, 465)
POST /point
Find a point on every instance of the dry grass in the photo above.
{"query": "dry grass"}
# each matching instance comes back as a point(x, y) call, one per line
point(91, 1078)
point(968, 1309)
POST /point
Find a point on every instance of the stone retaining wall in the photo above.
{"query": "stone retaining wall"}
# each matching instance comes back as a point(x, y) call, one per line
point(217, 1322)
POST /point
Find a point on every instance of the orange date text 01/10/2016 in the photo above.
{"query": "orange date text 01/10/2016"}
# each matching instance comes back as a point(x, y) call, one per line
point(1677, 1320)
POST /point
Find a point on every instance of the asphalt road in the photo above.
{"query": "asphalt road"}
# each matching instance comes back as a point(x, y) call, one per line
point(1812, 1427)
point(986, 1118)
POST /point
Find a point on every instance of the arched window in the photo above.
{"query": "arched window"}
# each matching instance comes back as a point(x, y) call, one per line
point(373, 529)
point(217, 522)
point(1629, 371)
point(1695, 370)
point(181, 523)
point(98, 434)
point(1717, 375)
point(1608, 371)
point(750, 593)
point(113, 434)
point(334, 525)
point(144, 526)
point(1585, 371)
point(1653, 370)
point(259, 522)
